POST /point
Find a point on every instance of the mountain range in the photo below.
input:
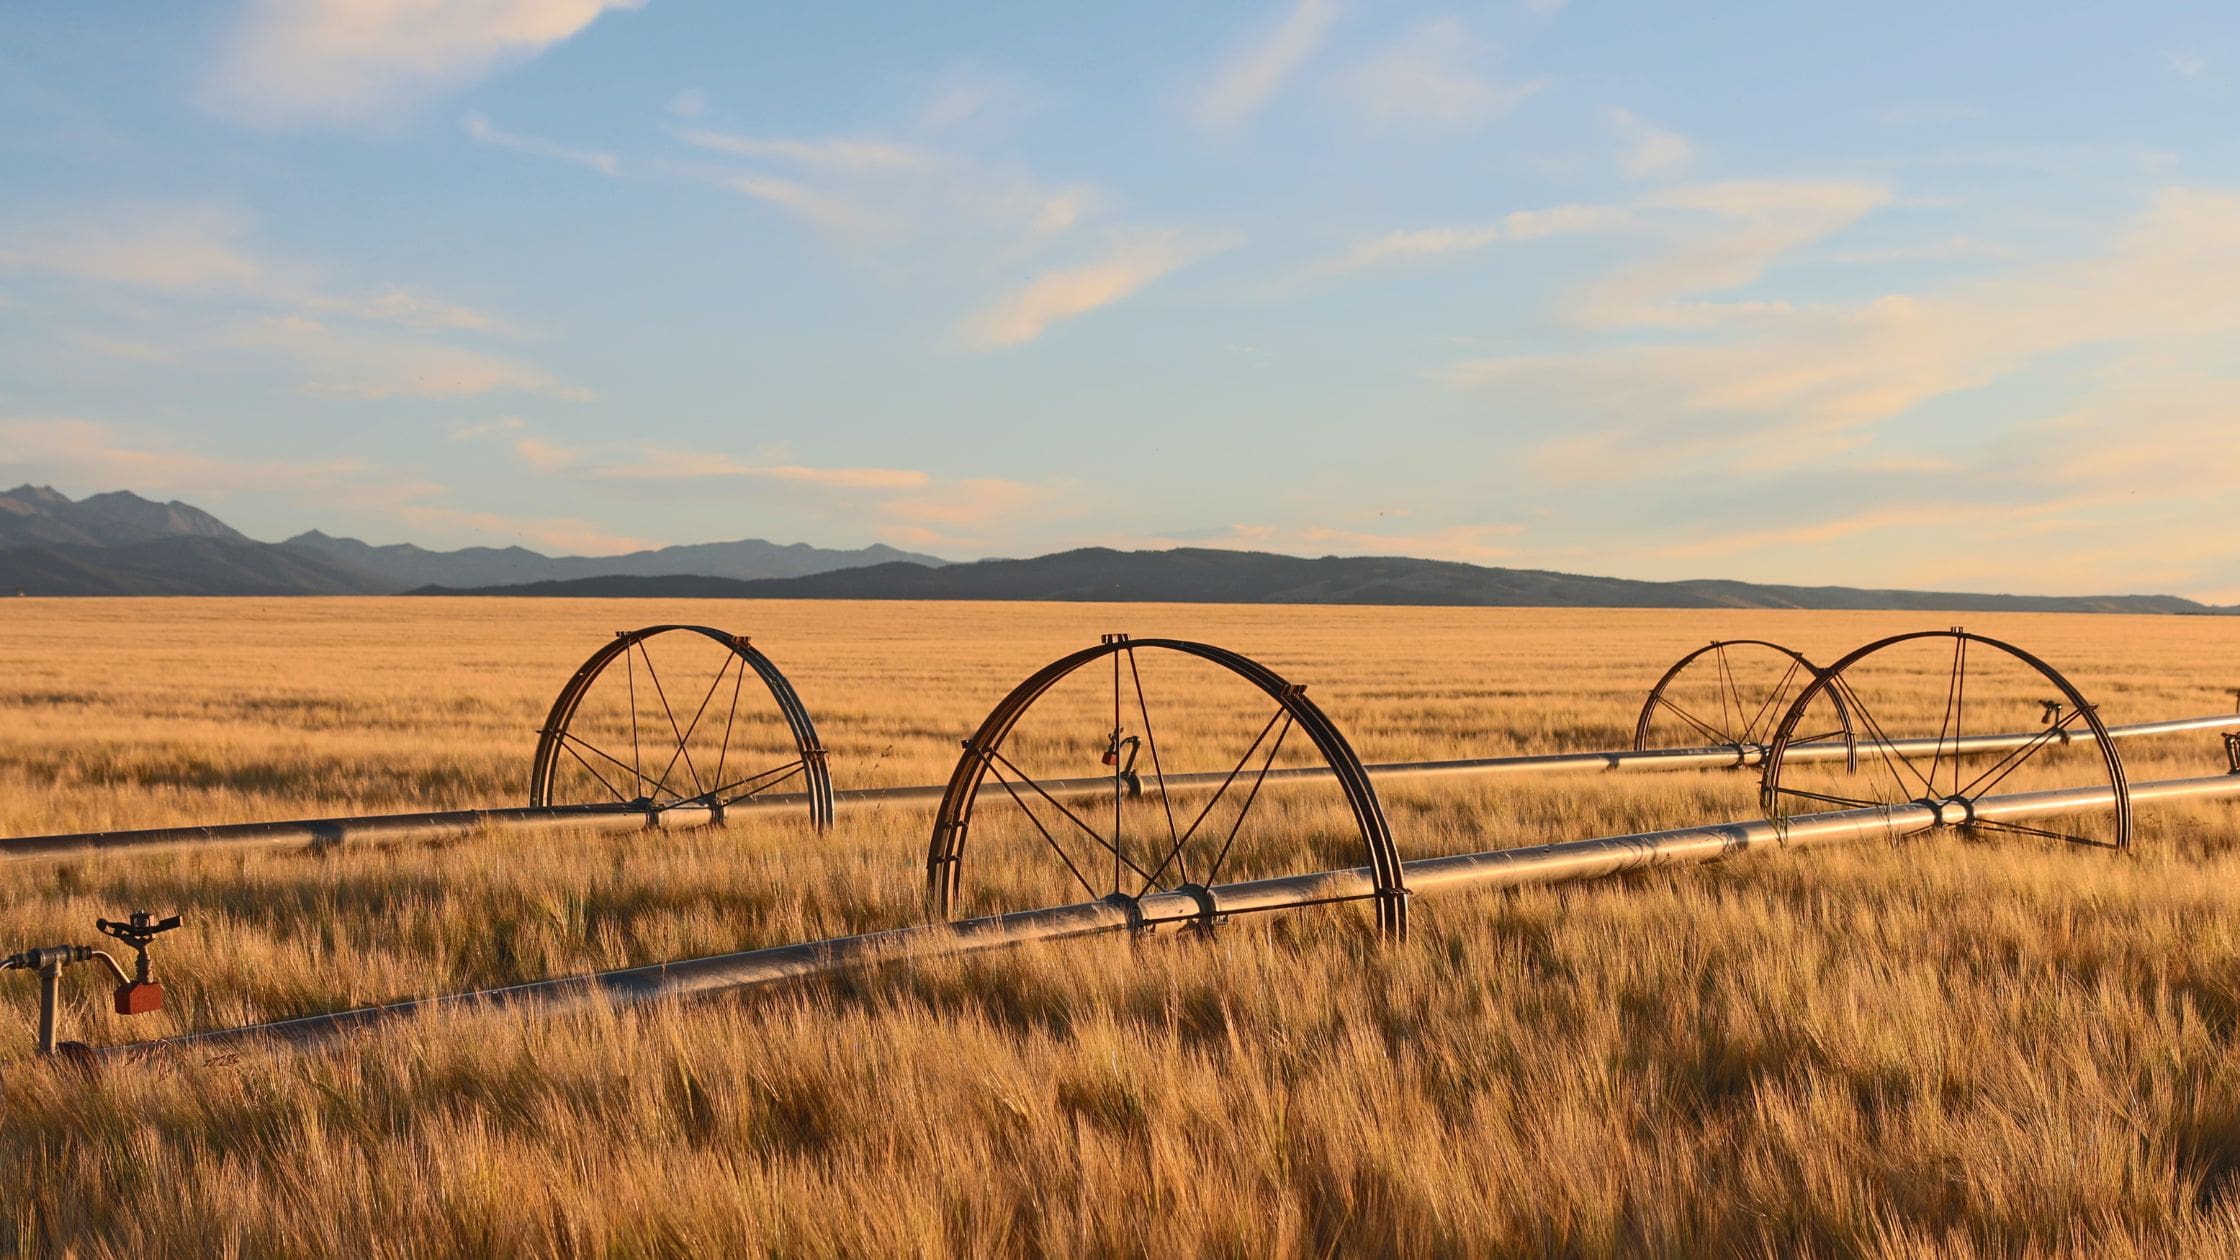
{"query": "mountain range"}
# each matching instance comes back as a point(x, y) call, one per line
point(121, 544)
point(1201, 575)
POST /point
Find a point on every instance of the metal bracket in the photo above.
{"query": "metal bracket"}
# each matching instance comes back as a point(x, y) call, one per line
point(2232, 750)
point(1209, 914)
point(1130, 907)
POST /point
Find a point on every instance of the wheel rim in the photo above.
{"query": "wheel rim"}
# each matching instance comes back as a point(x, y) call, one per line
point(1960, 687)
point(661, 718)
point(1203, 768)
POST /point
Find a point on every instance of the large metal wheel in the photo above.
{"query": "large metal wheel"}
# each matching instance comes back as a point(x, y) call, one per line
point(653, 721)
point(1731, 693)
point(1179, 738)
point(1982, 697)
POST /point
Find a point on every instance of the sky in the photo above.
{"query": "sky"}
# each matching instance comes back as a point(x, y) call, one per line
point(1909, 295)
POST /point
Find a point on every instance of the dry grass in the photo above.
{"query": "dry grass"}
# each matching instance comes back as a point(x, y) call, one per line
point(1939, 1048)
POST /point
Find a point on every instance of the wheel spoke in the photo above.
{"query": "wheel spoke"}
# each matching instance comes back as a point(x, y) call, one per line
point(630, 672)
point(1767, 709)
point(685, 739)
point(723, 752)
point(1086, 829)
point(658, 690)
point(1844, 801)
point(1728, 691)
point(2020, 829)
point(1884, 746)
point(2012, 762)
point(717, 794)
point(1944, 729)
point(1218, 793)
point(1118, 835)
point(1047, 838)
point(792, 773)
point(1158, 771)
point(1254, 795)
point(617, 792)
point(571, 740)
point(1959, 714)
point(1717, 737)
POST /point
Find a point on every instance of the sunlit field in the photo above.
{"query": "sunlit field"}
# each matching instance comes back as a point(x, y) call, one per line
point(1941, 1046)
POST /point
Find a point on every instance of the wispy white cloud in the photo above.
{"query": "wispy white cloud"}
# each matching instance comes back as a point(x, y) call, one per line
point(1256, 71)
point(308, 62)
point(690, 103)
point(423, 506)
point(849, 154)
point(1522, 225)
point(475, 430)
point(172, 248)
point(365, 364)
point(1725, 235)
point(2186, 65)
point(90, 453)
point(663, 464)
point(1778, 389)
point(877, 192)
point(1065, 293)
point(970, 502)
point(219, 297)
point(408, 308)
point(820, 209)
point(1645, 150)
point(1415, 243)
point(1434, 73)
point(544, 456)
point(1947, 249)
point(202, 250)
point(482, 130)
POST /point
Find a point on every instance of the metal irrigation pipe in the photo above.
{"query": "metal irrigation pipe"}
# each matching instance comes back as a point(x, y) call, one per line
point(630, 817)
point(1501, 868)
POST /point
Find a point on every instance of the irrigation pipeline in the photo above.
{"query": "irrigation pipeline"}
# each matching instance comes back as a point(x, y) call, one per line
point(1500, 868)
point(632, 817)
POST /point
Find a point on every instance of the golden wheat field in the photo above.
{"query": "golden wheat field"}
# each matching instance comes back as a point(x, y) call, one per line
point(1941, 1046)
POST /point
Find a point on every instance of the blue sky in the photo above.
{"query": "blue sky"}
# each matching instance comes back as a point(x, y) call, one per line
point(1899, 295)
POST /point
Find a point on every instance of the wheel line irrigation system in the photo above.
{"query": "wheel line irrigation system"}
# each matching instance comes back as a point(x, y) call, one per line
point(1760, 732)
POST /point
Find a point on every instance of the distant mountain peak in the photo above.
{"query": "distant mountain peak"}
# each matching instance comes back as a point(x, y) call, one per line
point(44, 516)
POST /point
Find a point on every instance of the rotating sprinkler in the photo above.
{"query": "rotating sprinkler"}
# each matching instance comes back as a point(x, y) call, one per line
point(137, 993)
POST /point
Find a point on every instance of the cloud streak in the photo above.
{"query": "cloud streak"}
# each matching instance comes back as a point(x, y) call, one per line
point(1647, 151)
point(848, 154)
point(1427, 76)
point(1254, 73)
point(484, 132)
point(1523, 225)
point(293, 63)
point(1065, 293)
point(674, 465)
